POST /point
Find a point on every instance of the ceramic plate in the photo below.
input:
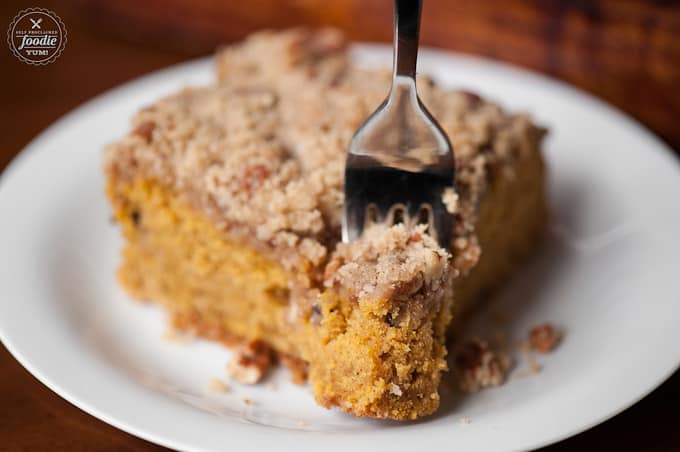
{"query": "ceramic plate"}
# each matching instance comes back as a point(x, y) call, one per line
point(608, 274)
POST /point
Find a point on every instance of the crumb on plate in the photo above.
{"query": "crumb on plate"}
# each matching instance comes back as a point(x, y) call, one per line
point(544, 338)
point(250, 363)
point(217, 385)
point(479, 366)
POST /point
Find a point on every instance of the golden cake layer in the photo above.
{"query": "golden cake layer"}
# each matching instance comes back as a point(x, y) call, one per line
point(229, 198)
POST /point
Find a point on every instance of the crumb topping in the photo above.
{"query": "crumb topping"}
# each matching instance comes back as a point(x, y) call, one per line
point(262, 152)
point(388, 262)
point(250, 363)
point(450, 200)
point(544, 338)
point(479, 366)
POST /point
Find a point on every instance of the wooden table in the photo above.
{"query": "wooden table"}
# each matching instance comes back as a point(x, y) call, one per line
point(34, 418)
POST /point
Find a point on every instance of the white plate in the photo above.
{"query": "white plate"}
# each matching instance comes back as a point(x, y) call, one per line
point(609, 274)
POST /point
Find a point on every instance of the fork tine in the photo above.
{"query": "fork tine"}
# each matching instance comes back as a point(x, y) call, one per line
point(442, 223)
point(415, 214)
point(354, 219)
point(397, 213)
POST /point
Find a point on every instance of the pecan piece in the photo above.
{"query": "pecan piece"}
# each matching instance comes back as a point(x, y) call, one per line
point(254, 176)
point(250, 363)
point(478, 366)
point(544, 338)
point(145, 130)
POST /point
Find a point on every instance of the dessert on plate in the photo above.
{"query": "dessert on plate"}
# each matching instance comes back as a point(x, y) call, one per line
point(230, 196)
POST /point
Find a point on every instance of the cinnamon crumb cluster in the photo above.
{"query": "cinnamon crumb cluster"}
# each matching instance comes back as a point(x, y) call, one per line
point(479, 366)
point(544, 338)
point(389, 259)
point(250, 362)
point(479, 363)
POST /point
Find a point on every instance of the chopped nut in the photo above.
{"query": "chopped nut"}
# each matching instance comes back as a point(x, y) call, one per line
point(145, 130)
point(250, 363)
point(217, 385)
point(416, 236)
point(544, 338)
point(478, 366)
point(254, 176)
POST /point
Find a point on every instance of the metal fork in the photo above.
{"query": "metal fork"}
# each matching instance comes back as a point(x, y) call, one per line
point(400, 161)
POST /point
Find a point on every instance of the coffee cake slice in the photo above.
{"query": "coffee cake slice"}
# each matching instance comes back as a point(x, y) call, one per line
point(229, 198)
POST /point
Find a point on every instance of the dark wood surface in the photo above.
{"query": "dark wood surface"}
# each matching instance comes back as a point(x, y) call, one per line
point(98, 58)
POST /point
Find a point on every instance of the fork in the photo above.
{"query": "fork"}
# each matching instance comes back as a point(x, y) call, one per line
point(400, 161)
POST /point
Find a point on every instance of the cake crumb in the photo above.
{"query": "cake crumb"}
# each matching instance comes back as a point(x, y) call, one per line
point(395, 390)
point(217, 385)
point(250, 363)
point(176, 336)
point(248, 401)
point(544, 338)
point(301, 423)
point(465, 421)
point(479, 366)
point(450, 200)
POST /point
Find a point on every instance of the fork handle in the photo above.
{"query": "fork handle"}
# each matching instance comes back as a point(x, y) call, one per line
point(406, 30)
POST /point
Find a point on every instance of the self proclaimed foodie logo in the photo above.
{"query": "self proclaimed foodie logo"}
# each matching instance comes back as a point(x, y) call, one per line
point(36, 36)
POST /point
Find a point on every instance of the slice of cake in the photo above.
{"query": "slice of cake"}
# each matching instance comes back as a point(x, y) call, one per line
point(230, 196)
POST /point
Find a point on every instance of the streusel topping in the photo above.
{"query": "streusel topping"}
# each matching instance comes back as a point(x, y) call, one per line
point(262, 151)
point(387, 260)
